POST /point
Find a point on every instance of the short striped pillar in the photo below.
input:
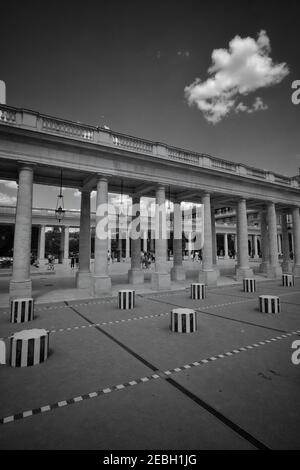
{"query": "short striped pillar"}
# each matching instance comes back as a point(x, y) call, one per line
point(126, 299)
point(288, 280)
point(198, 291)
point(269, 304)
point(29, 347)
point(249, 285)
point(21, 310)
point(183, 320)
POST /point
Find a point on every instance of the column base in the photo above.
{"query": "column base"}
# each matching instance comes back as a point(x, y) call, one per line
point(136, 276)
point(178, 273)
point(101, 285)
point(296, 270)
point(66, 262)
point(287, 267)
point(215, 268)
point(273, 272)
point(160, 281)
point(263, 267)
point(208, 277)
point(83, 280)
point(241, 273)
point(20, 289)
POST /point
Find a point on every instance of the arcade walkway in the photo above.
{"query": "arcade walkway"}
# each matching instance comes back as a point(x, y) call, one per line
point(59, 286)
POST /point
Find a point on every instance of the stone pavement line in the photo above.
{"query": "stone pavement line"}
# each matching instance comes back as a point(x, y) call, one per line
point(60, 330)
point(108, 323)
point(225, 317)
point(114, 300)
point(157, 375)
point(97, 302)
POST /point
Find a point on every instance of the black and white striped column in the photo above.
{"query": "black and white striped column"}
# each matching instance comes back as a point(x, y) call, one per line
point(198, 291)
point(183, 320)
point(126, 299)
point(21, 310)
point(249, 285)
point(269, 304)
point(29, 347)
point(288, 280)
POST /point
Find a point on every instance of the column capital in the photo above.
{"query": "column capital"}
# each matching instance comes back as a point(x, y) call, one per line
point(102, 178)
point(25, 165)
point(136, 197)
point(85, 190)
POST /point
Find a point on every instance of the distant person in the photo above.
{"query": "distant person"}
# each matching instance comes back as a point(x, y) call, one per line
point(72, 261)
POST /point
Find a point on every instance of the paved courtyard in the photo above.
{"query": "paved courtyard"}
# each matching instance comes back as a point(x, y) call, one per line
point(122, 380)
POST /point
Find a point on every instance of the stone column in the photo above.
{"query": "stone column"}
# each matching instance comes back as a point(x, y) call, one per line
point(101, 281)
point(120, 245)
point(61, 245)
point(296, 233)
point(41, 244)
point(20, 284)
point(208, 274)
point(279, 243)
point(177, 271)
point(242, 270)
point(287, 265)
point(66, 246)
point(264, 242)
point(235, 243)
point(160, 279)
point(214, 238)
point(255, 247)
point(83, 276)
point(273, 270)
point(136, 274)
point(127, 255)
point(145, 239)
point(226, 246)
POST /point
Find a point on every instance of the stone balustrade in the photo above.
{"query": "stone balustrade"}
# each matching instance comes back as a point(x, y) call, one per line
point(102, 136)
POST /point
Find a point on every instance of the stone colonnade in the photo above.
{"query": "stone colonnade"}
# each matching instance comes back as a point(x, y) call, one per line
point(99, 280)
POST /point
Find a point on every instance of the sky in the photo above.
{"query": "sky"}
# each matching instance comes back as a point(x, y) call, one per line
point(213, 77)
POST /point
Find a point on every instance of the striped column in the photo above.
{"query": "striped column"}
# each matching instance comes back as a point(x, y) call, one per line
point(198, 291)
point(29, 347)
point(183, 320)
point(21, 310)
point(249, 285)
point(269, 304)
point(288, 280)
point(126, 299)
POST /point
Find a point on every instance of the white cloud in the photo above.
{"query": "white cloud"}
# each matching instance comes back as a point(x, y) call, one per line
point(9, 184)
point(258, 105)
point(243, 68)
point(7, 200)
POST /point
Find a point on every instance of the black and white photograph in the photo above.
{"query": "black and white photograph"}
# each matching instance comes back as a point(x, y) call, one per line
point(149, 229)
